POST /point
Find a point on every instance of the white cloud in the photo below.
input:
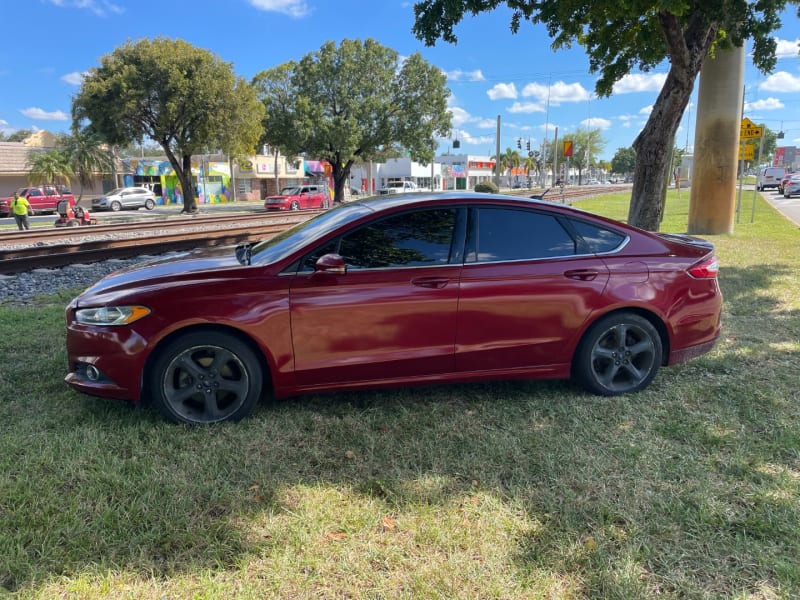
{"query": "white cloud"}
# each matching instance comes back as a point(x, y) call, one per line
point(458, 75)
point(765, 104)
point(460, 116)
point(42, 115)
point(596, 123)
point(465, 138)
point(787, 48)
point(74, 78)
point(646, 110)
point(293, 8)
point(640, 82)
point(781, 82)
point(502, 91)
point(526, 107)
point(557, 92)
point(486, 123)
point(99, 7)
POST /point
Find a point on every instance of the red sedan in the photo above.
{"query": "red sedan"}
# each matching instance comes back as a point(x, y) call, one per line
point(398, 290)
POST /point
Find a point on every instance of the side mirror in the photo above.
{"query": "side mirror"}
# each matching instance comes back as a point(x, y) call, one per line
point(331, 263)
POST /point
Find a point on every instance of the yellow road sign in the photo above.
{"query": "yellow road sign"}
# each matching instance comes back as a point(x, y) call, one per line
point(750, 130)
point(749, 151)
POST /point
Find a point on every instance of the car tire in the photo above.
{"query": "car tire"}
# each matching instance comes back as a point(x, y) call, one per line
point(149, 204)
point(205, 377)
point(116, 206)
point(620, 353)
point(295, 205)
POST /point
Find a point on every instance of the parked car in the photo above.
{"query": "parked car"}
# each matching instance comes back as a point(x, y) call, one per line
point(769, 177)
point(125, 198)
point(398, 187)
point(299, 197)
point(43, 199)
point(398, 290)
point(792, 186)
point(784, 179)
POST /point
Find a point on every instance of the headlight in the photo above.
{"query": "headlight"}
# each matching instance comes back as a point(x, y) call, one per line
point(111, 315)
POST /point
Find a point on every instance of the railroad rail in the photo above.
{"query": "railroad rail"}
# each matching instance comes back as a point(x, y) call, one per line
point(24, 251)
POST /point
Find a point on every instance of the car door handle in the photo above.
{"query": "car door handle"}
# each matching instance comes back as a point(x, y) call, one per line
point(430, 282)
point(581, 274)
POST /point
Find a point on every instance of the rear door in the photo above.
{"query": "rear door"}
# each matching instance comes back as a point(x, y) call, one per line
point(527, 287)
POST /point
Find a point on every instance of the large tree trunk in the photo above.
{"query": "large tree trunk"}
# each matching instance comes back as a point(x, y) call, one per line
point(687, 50)
point(183, 170)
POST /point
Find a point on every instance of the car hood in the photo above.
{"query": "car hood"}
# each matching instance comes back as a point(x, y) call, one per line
point(174, 270)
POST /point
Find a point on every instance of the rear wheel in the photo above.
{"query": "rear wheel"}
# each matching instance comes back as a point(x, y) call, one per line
point(149, 204)
point(620, 353)
point(205, 377)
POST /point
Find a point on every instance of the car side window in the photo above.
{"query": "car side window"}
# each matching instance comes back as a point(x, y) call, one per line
point(598, 239)
point(413, 239)
point(35, 192)
point(502, 234)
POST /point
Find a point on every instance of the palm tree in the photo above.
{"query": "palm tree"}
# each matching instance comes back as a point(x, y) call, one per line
point(87, 155)
point(50, 167)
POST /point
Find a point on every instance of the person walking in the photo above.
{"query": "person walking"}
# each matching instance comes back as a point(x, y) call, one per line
point(21, 208)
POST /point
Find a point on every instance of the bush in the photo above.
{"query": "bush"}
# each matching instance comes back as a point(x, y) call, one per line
point(486, 187)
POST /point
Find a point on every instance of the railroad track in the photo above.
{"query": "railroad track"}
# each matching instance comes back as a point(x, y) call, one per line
point(47, 248)
point(57, 247)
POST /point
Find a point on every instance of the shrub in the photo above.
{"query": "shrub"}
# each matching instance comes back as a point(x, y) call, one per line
point(486, 187)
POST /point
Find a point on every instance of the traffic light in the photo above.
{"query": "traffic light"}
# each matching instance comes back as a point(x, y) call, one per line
point(519, 143)
point(528, 145)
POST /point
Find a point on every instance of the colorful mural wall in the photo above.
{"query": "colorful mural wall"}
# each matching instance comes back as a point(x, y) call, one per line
point(212, 180)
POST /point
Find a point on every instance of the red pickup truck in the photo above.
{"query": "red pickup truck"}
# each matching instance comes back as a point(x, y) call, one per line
point(42, 199)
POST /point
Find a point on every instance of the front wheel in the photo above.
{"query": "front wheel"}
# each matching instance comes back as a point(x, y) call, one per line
point(295, 205)
point(620, 353)
point(205, 377)
point(116, 206)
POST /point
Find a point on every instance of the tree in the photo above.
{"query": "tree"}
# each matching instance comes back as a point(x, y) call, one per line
point(87, 155)
point(184, 98)
point(351, 102)
point(20, 135)
point(50, 167)
point(624, 161)
point(619, 36)
point(587, 145)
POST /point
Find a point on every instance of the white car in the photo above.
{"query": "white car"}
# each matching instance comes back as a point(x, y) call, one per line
point(398, 187)
point(127, 197)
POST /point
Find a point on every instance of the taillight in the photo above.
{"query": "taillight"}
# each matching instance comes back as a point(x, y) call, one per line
point(707, 269)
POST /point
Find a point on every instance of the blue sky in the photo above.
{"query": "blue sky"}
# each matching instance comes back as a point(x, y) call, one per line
point(490, 71)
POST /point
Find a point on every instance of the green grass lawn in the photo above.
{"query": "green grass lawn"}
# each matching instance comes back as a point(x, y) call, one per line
point(690, 489)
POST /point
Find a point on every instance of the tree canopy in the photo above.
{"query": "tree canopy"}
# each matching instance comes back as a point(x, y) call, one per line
point(620, 36)
point(184, 98)
point(349, 102)
point(624, 161)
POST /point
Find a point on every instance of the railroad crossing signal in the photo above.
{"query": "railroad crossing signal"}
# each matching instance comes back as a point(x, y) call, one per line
point(750, 130)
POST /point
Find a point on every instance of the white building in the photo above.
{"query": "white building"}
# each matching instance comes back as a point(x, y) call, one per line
point(448, 172)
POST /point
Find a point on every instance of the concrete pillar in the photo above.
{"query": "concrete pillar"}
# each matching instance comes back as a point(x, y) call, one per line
point(712, 201)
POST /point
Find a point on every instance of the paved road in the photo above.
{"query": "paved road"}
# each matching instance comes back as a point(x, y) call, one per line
point(790, 207)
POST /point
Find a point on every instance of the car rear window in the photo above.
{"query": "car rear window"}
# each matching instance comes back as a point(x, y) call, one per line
point(598, 239)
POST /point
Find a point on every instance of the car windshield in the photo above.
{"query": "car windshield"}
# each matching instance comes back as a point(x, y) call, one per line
point(283, 244)
point(290, 191)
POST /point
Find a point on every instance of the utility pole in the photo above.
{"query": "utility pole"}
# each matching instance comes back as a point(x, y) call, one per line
point(716, 143)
